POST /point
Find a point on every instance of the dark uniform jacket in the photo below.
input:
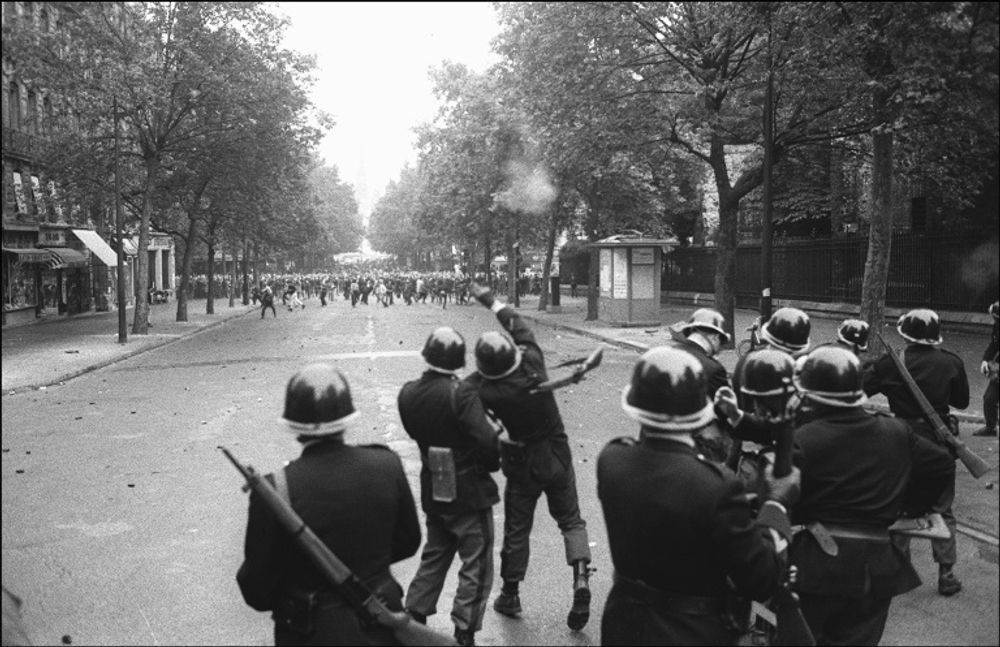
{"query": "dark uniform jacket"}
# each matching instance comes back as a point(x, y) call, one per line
point(439, 410)
point(358, 502)
point(681, 525)
point(939, 373)
point(860, 471)
point(531, 419)
point(990, 354)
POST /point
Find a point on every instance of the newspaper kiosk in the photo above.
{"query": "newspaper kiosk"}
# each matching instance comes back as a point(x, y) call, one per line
point(629, 283)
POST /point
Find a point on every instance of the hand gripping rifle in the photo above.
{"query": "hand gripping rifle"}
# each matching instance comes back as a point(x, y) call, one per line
point(790, 625)
point(584, 365)
point(976, 466)
point(366, 604)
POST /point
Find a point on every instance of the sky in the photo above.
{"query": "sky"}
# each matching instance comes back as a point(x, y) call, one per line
point(372, 62)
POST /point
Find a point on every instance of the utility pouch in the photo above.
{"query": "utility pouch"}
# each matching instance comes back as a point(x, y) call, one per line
point(297, 612)
point(441, 462)
point(513, 457)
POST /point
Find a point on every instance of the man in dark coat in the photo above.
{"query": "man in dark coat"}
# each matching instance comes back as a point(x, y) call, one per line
point(941, 377)
point(458, 450)
point(988, 367)
point(703, 336)
point(536, 458)
point(356, 499)
point(860, 472)
point(679, 525)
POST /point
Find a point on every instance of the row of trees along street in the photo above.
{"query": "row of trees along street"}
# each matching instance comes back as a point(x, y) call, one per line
point(603, 117)
point(217, 133)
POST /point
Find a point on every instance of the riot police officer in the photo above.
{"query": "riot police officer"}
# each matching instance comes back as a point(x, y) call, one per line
point(356, 499)
point(860, 472)
point(703, 336)
point(679, 525)
point(988, 367)
point(536, 457)
point(853, 335)
point(458, 450)
point(941, 377)
point(787, 331)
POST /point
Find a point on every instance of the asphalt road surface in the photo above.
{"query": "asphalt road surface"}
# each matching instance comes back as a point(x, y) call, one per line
point(123, 523)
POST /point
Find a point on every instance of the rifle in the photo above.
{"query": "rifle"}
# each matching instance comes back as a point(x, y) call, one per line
point(585, 365)
point(976, 466)
point(790, 625)
point(366, 604)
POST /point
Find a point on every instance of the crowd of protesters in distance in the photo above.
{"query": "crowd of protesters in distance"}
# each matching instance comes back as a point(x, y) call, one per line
point(379, 286)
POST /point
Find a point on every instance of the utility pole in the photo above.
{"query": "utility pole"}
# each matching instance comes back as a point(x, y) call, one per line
point(767, 231)
point(122, 326)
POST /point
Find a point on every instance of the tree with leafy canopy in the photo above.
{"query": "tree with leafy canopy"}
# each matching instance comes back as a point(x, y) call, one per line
point(171, 67)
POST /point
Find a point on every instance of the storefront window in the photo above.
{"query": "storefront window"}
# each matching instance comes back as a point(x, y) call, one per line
point(19, 290)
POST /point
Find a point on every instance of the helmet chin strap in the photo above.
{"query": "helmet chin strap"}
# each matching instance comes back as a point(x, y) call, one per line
point(444, 371)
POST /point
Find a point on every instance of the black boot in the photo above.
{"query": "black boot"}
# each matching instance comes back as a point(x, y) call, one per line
point(508, 602)
point(580, 613)
point(465, 636)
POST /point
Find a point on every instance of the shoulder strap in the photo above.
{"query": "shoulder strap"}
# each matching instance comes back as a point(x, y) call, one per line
point(281, 485)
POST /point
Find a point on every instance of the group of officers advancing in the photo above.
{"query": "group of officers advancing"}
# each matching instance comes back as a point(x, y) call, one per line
point(696, 517)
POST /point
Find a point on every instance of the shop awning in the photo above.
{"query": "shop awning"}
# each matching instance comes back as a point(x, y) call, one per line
point(29, 254)
point(65, 257)
point(97, 245)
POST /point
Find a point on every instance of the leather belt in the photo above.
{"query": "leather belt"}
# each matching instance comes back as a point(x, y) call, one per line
point(690, 605)
point(826, 534)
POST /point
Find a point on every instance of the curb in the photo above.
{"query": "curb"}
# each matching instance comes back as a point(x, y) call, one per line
point(127, 355)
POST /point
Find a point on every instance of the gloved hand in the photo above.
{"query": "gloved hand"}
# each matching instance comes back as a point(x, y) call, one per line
point(984, 368)
point(482, 294)
point(725, 402)
point(785, 490)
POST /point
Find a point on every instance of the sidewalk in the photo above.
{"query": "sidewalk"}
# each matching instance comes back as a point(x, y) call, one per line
point(51, 351)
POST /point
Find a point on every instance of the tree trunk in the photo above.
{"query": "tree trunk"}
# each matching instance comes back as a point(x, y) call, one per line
point(595, 264)
point(186, 260)
point(232, 279)
point(880, 234)
point(210, 304)
point(246, 275)
point(550, 248)
point(836, 189)
point(140, 320)
point(725, 260)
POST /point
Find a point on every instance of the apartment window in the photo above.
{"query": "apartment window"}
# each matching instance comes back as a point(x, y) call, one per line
point(47, 117)
point(29, 13)
point(43, 20)
point(13, 106)
point(32, 121)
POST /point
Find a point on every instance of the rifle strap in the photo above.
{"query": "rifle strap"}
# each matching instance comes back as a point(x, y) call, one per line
point(281, 485)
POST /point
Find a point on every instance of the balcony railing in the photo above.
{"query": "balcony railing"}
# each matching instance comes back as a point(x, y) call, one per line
point(18, 144)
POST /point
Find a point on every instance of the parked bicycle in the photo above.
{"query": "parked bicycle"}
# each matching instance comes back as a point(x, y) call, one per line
point(752, 342)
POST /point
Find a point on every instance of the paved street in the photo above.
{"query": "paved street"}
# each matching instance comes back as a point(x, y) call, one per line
point(123, 524)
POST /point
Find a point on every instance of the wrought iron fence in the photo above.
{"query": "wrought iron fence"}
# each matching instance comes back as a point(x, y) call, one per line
point(947, 272)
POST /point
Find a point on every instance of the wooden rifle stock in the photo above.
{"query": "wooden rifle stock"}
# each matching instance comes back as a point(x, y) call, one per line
point(976, 466)
point(590, 363)
point(365, 603)
point(790, 625)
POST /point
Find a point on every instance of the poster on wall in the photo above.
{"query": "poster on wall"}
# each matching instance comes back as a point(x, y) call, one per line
point(605, 272)
point(642, 256)
point(620, 274)
point(22, 203)
point(643, 286)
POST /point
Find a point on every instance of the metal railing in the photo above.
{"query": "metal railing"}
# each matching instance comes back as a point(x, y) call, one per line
point(948, 272)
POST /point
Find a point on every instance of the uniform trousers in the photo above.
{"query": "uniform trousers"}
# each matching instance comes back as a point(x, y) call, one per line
point(471, 536)
point(520, 498)
point(944, 550)
point(840, 620)
point(990, 401)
